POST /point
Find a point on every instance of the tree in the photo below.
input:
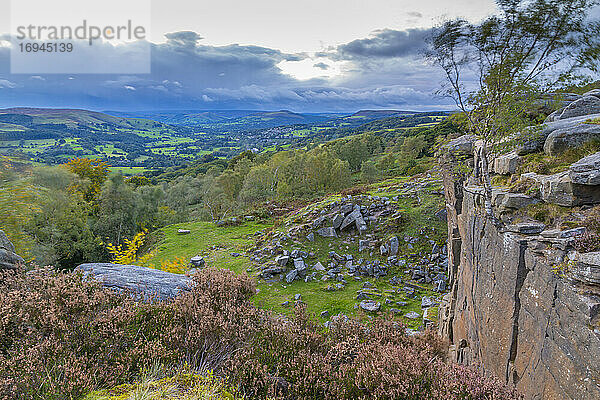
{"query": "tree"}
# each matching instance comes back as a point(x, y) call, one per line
point(369, 172)
point(93, 174)
point(497, 69)
point(413, 147)
point(118, 214)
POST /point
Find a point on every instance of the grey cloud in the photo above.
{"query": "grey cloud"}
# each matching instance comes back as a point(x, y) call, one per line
point(188, 74)
point(386, 43)
point(321, 65)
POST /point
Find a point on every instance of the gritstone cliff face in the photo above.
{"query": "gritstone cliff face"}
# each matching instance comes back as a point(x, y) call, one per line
point(523, 303)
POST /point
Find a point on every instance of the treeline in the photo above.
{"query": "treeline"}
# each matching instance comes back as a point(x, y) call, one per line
point(69, 214)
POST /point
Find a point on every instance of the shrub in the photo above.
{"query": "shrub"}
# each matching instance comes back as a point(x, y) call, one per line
point(295, 359)
point(62, 336)
point(590, 240)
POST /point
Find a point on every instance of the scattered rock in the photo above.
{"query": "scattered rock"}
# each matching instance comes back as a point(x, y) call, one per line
point(364, 245)
point(412, 315)
point(318, 266)
point(327, 232)
point(370, 305)
point(394, 245)
point(198, 261)
point(427, 302)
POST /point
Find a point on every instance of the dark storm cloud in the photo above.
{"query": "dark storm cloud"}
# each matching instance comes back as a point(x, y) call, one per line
point(386, 43)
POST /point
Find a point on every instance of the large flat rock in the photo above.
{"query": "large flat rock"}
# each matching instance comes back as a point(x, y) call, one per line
point(533, 139)
point(151, 283)
point(570, 137)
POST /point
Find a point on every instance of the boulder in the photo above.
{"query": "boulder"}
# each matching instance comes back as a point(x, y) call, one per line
point(513, 201)
point(593, 92)
point(586, 267)
point(183, 231)
point(327, 232)
point(198, 261)
point(586, 171)
point(394, 245)
point(527, 228)
point(8, 258)
point(337, 220)
point(507, 164)
point(559, 189)
point(282, 260)
point(370, 305)
point(147, 282)
point(584, 106)
point(293, 274)
point(570, 137)
point(351, 219)
point(532, 139)
point(462, 146)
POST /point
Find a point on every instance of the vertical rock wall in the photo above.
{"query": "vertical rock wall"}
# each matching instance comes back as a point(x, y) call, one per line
point(508, 309)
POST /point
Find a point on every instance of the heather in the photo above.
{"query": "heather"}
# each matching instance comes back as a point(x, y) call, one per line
point(62, 336)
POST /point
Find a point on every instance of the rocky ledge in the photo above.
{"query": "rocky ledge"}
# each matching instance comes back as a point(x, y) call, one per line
point(147, 282)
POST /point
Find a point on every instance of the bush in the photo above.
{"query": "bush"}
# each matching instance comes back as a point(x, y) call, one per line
point(590, 240)
point(62, 336)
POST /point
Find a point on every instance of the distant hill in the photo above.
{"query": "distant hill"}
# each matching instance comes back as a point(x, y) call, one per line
point(250, 119)
point(30, 117)
point(377, 114)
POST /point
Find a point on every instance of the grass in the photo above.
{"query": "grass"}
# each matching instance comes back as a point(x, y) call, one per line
point(541, 163)
point(216, 245)
point(595, 121)
point(127, 170)
point(181, 386)
point(213, 242)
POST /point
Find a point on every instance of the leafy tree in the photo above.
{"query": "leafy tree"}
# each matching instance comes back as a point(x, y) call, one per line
point(93, 174)
point(369, 172)
point(413, 147)
point(19, 200)
point(495, 70)
point(118, 214)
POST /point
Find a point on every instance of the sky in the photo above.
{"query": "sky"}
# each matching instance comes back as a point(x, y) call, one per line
point(304, 56)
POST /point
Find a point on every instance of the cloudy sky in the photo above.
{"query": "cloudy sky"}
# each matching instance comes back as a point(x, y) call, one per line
point(306, 56)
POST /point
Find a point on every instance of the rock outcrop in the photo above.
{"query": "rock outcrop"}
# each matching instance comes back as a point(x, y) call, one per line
point(522, 302)
point(147, 282)
point(8, 258)
point(586, 171)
